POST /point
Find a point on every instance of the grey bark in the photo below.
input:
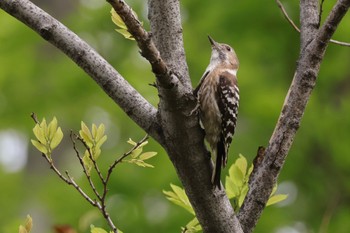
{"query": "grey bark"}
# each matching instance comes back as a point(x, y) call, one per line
point(313, 42)
point(170, 124)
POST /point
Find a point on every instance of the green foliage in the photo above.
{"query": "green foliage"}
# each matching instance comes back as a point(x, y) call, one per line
point(27, 227)
point(179, 197)
point(237, 181)
point(94, 229)
point(137, 157)
point(93, 140)
point(236, 187)
point(48, 136)
point(117, 20)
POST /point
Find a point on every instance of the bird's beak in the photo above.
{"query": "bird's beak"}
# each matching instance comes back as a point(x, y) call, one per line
point(212, 42)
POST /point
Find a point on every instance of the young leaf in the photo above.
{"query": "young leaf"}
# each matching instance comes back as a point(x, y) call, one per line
point(231, 189)
point(131, 142)
point(276, 198)
point(43, 126)
point(28, 223)
point(97, 229)
point(52, 127)
point(22, 229)
point(236, 175)
point(101, 141)
point(179, 198)
point(192, 227)
point(39, 133)
point(94, 131)
point(117, 20)
point(86, 134)
point(42, 148)
point(56, 138)
point(87, 162)
point(147, 155)
point(100, 132)
point(241, 163)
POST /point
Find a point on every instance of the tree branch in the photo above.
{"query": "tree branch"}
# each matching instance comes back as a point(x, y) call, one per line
point(137, 108)
point(165, 76)
point(291, 22)
point(314, 43)
point(183, 135)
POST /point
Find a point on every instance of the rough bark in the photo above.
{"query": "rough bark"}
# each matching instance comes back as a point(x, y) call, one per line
point(314, 42)
point(171, 125)
point(183, 136)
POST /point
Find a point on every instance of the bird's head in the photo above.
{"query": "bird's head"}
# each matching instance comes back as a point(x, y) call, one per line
point(222, 53)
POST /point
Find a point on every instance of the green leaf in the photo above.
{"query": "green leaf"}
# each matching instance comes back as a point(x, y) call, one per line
point(276, 198)
point(147, 155)
point(100, 132)
point(94, 131)
point(42, 148)
point(231, 189)
point(130, 141)
point(39, 133)
point(136, 152)
point(28, 223)
point(94, 229)
point(43, 126)
point(52, 127)
point(193, 226)
point(244, 192)
point(250, 170)
point(241, 163)
point(87, 162)
point(236, 175)
point(56, 139)
point(22, 229)
point(117, 20)
point(86, 134)
point(101, 141)
point(125, 33)
point(179, 198)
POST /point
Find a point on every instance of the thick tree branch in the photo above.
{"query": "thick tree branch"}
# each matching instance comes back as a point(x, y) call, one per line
point(314, 43)
point(166, 77)
point(183, 136)
point(138, 109)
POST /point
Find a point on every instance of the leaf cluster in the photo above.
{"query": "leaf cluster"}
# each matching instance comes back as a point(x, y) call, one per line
point(117, 20)
point(93, 141)
point(48, 136)
point(236, 186)
point(137, 157)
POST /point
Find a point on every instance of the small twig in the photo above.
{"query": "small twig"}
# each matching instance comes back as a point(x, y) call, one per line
point(33, 115)
point(92, 185)
point(91, 157)
point(290, 21)
point(77, 187)
point(111, 167)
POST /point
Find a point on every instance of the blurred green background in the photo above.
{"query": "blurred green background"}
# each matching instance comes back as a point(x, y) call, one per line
point(36, 77)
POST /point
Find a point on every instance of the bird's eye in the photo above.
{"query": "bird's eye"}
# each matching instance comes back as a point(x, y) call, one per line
point(228, 48)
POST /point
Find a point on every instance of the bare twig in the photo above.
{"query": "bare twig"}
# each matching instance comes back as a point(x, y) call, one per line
point(291, 22)
point(120, 159)
point(92, 185)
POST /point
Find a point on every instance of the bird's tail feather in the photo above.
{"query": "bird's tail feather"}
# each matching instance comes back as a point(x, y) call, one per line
point(220, 155)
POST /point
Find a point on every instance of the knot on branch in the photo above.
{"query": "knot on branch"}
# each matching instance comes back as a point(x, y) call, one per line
point(46, 32)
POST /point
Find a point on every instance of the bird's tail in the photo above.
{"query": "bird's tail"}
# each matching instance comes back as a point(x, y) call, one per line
point(220, 155)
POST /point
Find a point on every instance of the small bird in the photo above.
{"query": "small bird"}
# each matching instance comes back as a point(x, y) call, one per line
point(218, 100)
